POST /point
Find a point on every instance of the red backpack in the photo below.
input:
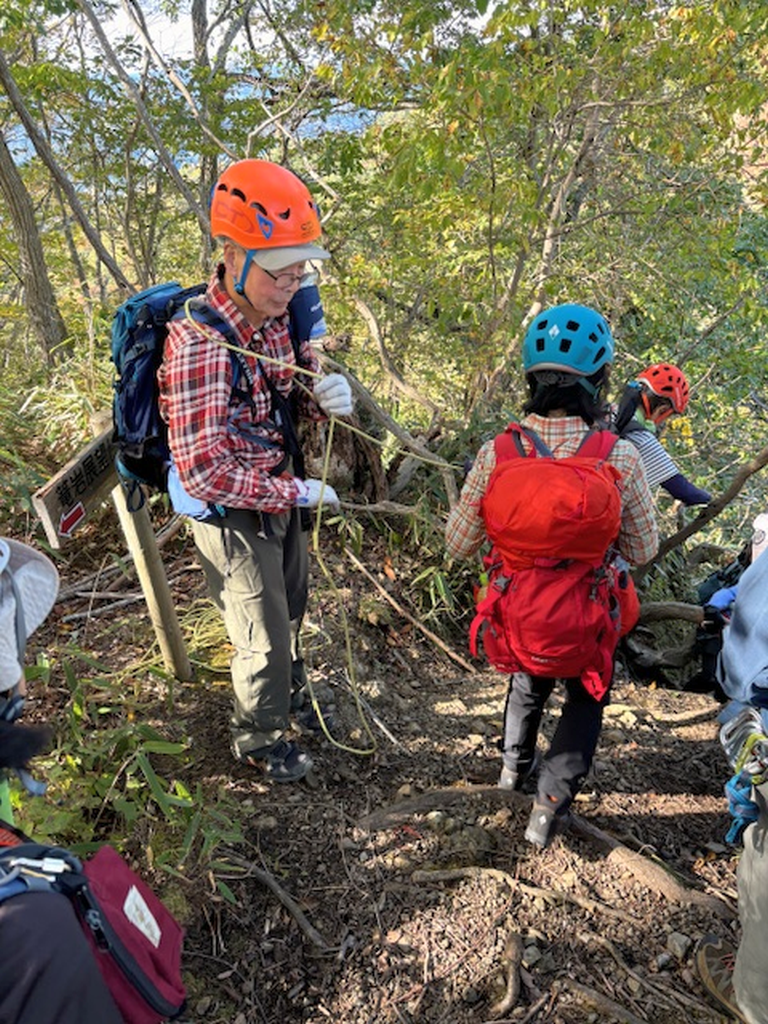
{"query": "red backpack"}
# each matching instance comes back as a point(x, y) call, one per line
point(551, 607)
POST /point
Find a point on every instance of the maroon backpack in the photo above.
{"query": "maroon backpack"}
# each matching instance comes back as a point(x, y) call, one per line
point(136, 941)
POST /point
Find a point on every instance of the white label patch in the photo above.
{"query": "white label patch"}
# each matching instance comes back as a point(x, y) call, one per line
point(138, 913)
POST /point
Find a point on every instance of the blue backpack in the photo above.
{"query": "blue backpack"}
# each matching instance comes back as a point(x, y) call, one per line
point(139, 330)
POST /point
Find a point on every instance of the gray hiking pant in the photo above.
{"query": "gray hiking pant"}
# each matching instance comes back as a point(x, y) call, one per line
point(750, 978)
point(570, 754)
point(257, 569)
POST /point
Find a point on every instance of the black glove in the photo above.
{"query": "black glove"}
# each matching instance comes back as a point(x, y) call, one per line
point(714, 620)
point(20, 743)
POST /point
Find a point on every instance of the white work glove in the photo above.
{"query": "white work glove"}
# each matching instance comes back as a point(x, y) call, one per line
point(334, 395)
point(310, 493)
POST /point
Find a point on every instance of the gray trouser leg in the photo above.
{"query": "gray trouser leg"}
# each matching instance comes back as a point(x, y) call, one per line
point(750, 978)
point(258, 580)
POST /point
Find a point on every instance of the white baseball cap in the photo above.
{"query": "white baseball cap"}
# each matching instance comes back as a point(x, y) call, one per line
point(29, 583)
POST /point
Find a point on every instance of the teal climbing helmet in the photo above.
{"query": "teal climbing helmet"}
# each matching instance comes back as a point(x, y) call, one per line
point(569, 338)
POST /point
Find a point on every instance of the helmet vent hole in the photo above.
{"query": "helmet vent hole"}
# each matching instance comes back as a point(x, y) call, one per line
point(600, 353)
point(572, 326)
point(285, 214)
point(539, 344)
point(237, 192)
point(262, 209)
point(565, 344)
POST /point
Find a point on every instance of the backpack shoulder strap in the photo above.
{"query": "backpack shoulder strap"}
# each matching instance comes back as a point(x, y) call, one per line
point(509, 445)
point(597, 443)
point(203, 314)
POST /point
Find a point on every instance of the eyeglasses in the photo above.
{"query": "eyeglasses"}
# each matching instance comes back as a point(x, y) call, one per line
point(286, 280)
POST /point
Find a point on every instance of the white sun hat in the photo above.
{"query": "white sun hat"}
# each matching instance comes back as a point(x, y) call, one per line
point(760, 534)
point(29, 583)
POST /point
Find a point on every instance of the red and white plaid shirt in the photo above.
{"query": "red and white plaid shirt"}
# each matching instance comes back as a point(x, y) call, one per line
point(222, 445)
point(638, 538)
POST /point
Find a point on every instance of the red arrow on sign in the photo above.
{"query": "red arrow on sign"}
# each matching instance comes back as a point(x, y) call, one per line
point(69, 520)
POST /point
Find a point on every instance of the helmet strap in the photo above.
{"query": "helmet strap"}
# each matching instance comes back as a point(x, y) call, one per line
point(240, 283)
point(563, 379)
point(589, 387)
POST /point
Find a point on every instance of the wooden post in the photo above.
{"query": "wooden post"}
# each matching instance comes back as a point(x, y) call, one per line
point(142, 543)
point(65, 503)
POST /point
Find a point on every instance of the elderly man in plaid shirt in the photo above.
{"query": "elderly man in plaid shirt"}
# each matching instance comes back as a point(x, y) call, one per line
point(236, 461)
point(567, 353)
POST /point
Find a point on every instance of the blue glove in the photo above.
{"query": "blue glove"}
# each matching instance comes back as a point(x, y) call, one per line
point(723, 598)
point(742, 807)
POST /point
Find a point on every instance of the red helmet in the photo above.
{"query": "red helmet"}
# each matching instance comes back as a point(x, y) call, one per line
point(666, 381)
point(261, 205)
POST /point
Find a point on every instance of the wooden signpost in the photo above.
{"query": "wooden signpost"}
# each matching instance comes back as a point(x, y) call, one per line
point(64, 504)
point(83, 485)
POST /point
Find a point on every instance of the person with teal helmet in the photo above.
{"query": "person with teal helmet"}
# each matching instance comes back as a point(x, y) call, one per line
point(567, 353)
point(572, 339)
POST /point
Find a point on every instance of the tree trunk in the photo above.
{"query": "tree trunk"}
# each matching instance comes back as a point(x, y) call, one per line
point(39, 299)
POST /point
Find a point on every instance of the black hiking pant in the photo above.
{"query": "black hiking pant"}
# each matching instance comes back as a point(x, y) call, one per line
point(569, 758)
point(48, 973)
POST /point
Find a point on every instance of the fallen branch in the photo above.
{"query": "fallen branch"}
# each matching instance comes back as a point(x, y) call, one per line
point(657, 611)
point(605, 1006)
point(407, 615)
point(266, 878)
point(376, 720)
point(662, 994)
point(381, 508)
point(713, 509)
point(166, 534)
point(105, 609)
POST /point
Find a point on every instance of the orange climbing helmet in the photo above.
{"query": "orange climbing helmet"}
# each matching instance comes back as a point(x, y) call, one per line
point(262, 205)
point(667, 381)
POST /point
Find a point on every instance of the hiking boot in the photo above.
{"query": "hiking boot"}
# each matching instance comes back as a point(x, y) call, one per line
point(308, 718)
point(284, 762)
point(715, 960)
point(298, 698)
point(520, 782)
point(545, 822)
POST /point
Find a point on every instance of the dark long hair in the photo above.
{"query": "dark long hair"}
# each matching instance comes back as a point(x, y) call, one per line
point(574, 398)
point(628, 403)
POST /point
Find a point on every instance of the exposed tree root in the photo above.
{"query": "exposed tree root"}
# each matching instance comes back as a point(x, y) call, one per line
point(592, 906)
point(649, 873)
point(513, 955)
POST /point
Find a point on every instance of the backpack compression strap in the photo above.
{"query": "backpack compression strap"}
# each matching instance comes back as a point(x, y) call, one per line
point(509, 445)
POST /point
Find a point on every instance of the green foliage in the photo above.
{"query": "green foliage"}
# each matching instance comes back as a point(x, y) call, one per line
point(113, 773)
